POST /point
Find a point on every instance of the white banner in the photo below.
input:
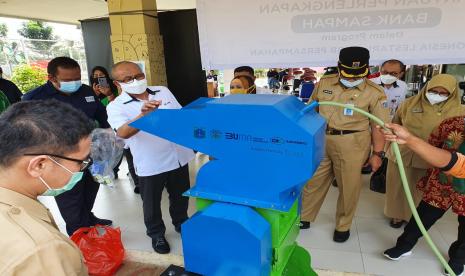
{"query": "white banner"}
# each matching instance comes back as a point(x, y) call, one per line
point(289, 33)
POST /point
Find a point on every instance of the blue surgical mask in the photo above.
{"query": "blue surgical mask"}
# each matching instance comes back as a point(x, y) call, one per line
point(351, 84)
point(70, 86)
point(75, 178)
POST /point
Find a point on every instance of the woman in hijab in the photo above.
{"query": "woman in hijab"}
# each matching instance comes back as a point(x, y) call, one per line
point(441, 192)
point(242, 85)
point(421, 114)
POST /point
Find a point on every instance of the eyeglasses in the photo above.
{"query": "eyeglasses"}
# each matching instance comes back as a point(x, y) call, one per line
point(394, 74)
point(130, 79)
point(446, 94)
point(84, 164)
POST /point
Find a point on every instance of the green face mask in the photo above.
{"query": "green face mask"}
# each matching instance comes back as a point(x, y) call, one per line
point(75, 178)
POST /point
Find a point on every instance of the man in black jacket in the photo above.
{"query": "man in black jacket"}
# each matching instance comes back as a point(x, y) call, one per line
point(64, 84)
point(10, 89)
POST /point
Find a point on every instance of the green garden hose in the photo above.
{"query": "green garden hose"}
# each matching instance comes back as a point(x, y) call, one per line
point(403, 177)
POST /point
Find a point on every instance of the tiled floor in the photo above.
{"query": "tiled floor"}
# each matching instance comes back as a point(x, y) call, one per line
point(370, 233)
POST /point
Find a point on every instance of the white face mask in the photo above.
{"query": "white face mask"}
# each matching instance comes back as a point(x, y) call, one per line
point(388, 79)
point(135, 87)
point(351, 84)
point(434, 98)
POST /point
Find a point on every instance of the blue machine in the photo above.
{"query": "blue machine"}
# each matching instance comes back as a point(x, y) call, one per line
point(266, 147)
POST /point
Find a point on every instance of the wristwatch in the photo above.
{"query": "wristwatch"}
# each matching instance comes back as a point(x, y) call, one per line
point(380, 154)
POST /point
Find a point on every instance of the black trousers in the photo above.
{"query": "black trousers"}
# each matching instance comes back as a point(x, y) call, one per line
point(429, 215)
point(151, 188)
point(116, 168)
point(127, 153)
point(76, 205)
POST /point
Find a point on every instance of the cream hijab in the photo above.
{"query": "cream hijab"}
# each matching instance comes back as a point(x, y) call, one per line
point(421, 117)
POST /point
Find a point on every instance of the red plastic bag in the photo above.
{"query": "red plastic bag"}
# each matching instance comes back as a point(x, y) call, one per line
point(101, 247)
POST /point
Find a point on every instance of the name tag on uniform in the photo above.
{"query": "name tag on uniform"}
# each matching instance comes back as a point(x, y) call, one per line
point(348, 111)
point(417, 110)
point(328, 92)
point(90, 99)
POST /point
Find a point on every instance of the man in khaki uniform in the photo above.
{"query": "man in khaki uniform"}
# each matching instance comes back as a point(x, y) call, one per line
point(44, 147)
point(348, 139)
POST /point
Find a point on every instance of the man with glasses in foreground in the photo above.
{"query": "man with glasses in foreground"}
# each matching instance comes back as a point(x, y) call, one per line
point(64, 84)
point(158, 162)
point(44, 149)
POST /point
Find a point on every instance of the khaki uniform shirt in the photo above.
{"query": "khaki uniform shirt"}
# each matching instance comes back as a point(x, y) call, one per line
point(367, 96)
point(30, 242)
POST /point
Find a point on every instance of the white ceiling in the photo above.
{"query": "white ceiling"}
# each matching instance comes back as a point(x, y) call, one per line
point(71, 11)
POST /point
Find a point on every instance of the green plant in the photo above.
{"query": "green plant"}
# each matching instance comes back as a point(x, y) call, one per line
point(3, 30)
point(3, 33)
point(27, 77)
point(33, 29)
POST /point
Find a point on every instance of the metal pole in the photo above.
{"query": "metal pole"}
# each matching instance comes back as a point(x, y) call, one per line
point(26, 55)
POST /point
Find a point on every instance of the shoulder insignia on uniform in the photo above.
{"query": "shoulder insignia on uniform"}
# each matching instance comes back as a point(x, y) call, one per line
point(378, 87)
point(328, 92)
point(384, 104)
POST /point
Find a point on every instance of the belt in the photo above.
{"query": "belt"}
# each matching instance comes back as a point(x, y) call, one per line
point(332, 131)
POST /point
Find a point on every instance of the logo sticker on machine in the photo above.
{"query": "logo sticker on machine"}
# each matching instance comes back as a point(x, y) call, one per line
point(199, 133)
point(216, 134)
point(277, 140)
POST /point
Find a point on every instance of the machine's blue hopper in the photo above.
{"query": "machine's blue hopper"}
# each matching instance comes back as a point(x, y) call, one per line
point(265, 146)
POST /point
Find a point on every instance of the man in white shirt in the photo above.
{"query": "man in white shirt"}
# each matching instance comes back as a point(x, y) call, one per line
point(158, 162)
point(391, 72)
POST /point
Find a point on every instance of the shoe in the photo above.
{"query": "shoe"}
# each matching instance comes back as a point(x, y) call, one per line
point(396, 253)
point(161, 245)
point(178, 227)
point(304, 224)
point(136, 190)
point(341, 236)
point(396, 224)
point(447, 273)
point(334, 182)
point(457, 268)
point(99, 221)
